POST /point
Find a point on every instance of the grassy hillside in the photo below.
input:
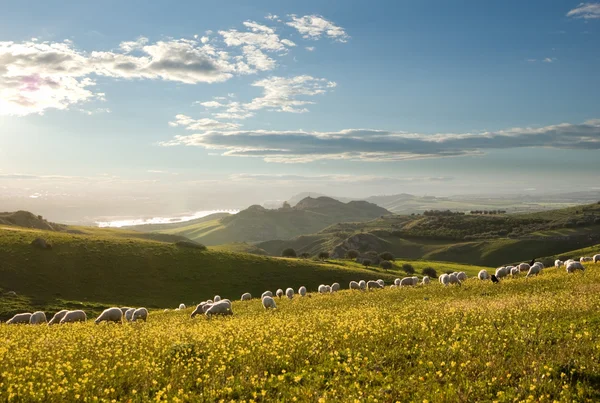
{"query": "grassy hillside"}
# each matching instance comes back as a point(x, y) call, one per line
point(257, 224)
point(29, 220)
point(159, 227)
point(105, 269)
point(521, 340)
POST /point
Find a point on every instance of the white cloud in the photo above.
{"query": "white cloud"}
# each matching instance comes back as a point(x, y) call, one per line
point(257, 59)
point(310, 48)
point(315, 26)
point(271, 17)
point(586, 11)
point(378, 145)
point(549, 60)
point(259, 36)
point(201, 124)
point(133, 45)
point(333, 178)
point(212, 104)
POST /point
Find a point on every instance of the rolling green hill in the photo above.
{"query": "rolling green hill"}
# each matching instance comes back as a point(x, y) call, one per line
point(107, 267)
point(159, 227)
point(257, 224)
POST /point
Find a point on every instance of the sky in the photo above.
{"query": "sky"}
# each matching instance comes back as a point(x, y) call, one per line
point(131, 109)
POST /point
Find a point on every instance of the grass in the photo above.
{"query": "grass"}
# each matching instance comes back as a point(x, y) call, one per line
point(521, 340)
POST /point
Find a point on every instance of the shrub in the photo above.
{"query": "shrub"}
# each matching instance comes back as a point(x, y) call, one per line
point(366, 262)
point(385, 265)
point(289, 252)
point(305, 255)
point(429, 271)
point(352, 254)
point(408, 268)
point(190, 244)
point(386, 256)
point(323, 255)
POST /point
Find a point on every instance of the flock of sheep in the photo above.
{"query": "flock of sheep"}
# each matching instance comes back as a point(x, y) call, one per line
point(219, 306)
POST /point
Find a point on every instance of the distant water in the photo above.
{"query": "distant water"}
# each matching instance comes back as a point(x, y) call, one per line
point(160, 220)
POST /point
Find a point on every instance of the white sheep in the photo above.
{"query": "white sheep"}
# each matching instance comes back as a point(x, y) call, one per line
point(322, 289)
point(354, 285)
point(181, 306)
point(74, 316)
point(335, 287)
point(222, 307)
point(37, 318)
point(371, 284)
point(534, 270)
point(393, 286)
point(268, 302)
point(279, 293)
point(453, 279)
point(444, 279)
point(585, 259)
point(125, 309)
point(381, 283)
point(129, 314)
point(246, 296)
point(483, 275)
point(426, 280)
point(19, 318)
point(558, 263)
point(209, 301)
point(58, 317)
point(408, 281)
point(140, 313)
point(200, 309)
point(217, 298)
point(540, 264)
point(289, 292)
point(302, 291)
point(266, 294)
point(596, 258)
point(503, 271)
point(574, 266)
point(523, 267)
point(397, 281)
point(461, 275)
point(110, 315)
point(515, 271)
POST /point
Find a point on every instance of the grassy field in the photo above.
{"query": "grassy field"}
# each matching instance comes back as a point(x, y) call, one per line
point(521, 340)
point(91, 271)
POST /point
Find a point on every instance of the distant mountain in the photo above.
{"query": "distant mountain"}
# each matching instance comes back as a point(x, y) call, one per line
point(257, 224)
point(158, 227)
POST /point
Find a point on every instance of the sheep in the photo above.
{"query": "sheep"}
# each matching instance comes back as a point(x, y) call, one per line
point(397, 281)
point(426, 280)
point(322, 289)
point(279, 293)
point(373, 284)
point(462, 276)
point(19, 318)
point(110, 315)
point(166, 310)
point(125, 309)
point(444, 279)
point(37, 318)
point(289, 293)
point(453, 279)
point(246, 296)
point(585, 259)
point(483, 275)
point(266, 294)
point(181, 306)
point(515, 271)
point(217, 298)
point(524, 267)
point(268, 302)
point(140, 313)
point(503, 271)
point(540, 264)
point(302, 291)
point(534, 270)
point(129, 314)
point(354, 286)
point(222, 307)
point(209, 301)
point(596, 258)
point(74, 316)
point(200, 309)
point(574, 266)
point(381, 283)
point(362, 284)
point(57, 317)
point(408, 281)
point(335, 287)
point(393, 286)
point(558, 263)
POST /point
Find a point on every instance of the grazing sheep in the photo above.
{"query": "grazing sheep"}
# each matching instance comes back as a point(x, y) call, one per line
point(381, 283)
point(289, 292)
point(408, 281)
point(246, 296)
point(503, 271)
point(335, 287)
point(266, 294)
point(209, 301)
point(444, 279)
point(217, 298)
point(585, 259)
point(354, 285)
point(129, 314)
point(534, 270)
point(362, 284)
point(140, 313)
point(58, 317)
point(574, 266)
point(393, 286)
point(453, 279)
point(74, 316)
point(397, 281)
point(181, 306)
point(322, 289)
point(515, 271)
point(222, 307)
point(426, 280)
point(200, 309)
point(125, 309)
point(268, 302)
point(279, 293)
point(540, 264)
point(462, 276)
point(523, 267)
point(37, 318)
point(166, 310)
point(302, 291)
point(110, 315)
point(483, 275)
point(596, 258)
point(373, 284)
point(558, 263)
point(19, 318)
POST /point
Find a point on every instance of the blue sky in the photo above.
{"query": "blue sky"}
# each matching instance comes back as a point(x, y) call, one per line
point(190, 105)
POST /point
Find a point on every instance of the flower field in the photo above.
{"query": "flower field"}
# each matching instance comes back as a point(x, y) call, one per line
point(521, 340)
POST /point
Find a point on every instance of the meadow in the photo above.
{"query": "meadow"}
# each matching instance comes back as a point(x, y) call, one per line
point(521, 340)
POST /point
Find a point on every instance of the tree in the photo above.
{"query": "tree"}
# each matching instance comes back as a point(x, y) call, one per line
point(305, 255)
point(352, 254)
point(323, 255)
point(429, 271)
point(386, 256)
point(289, 252)
point(408, 268)
point(366, 263)
point(385, 265)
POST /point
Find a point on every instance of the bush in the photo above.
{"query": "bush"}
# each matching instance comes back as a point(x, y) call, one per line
point(386, 256)
point(289, 252)
point(305, 255)
point(323, 255)
point(408, 268)
point(366, 262)
point(352, 254)
point(385, 265)
point(429, 271)
point(190, 244)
